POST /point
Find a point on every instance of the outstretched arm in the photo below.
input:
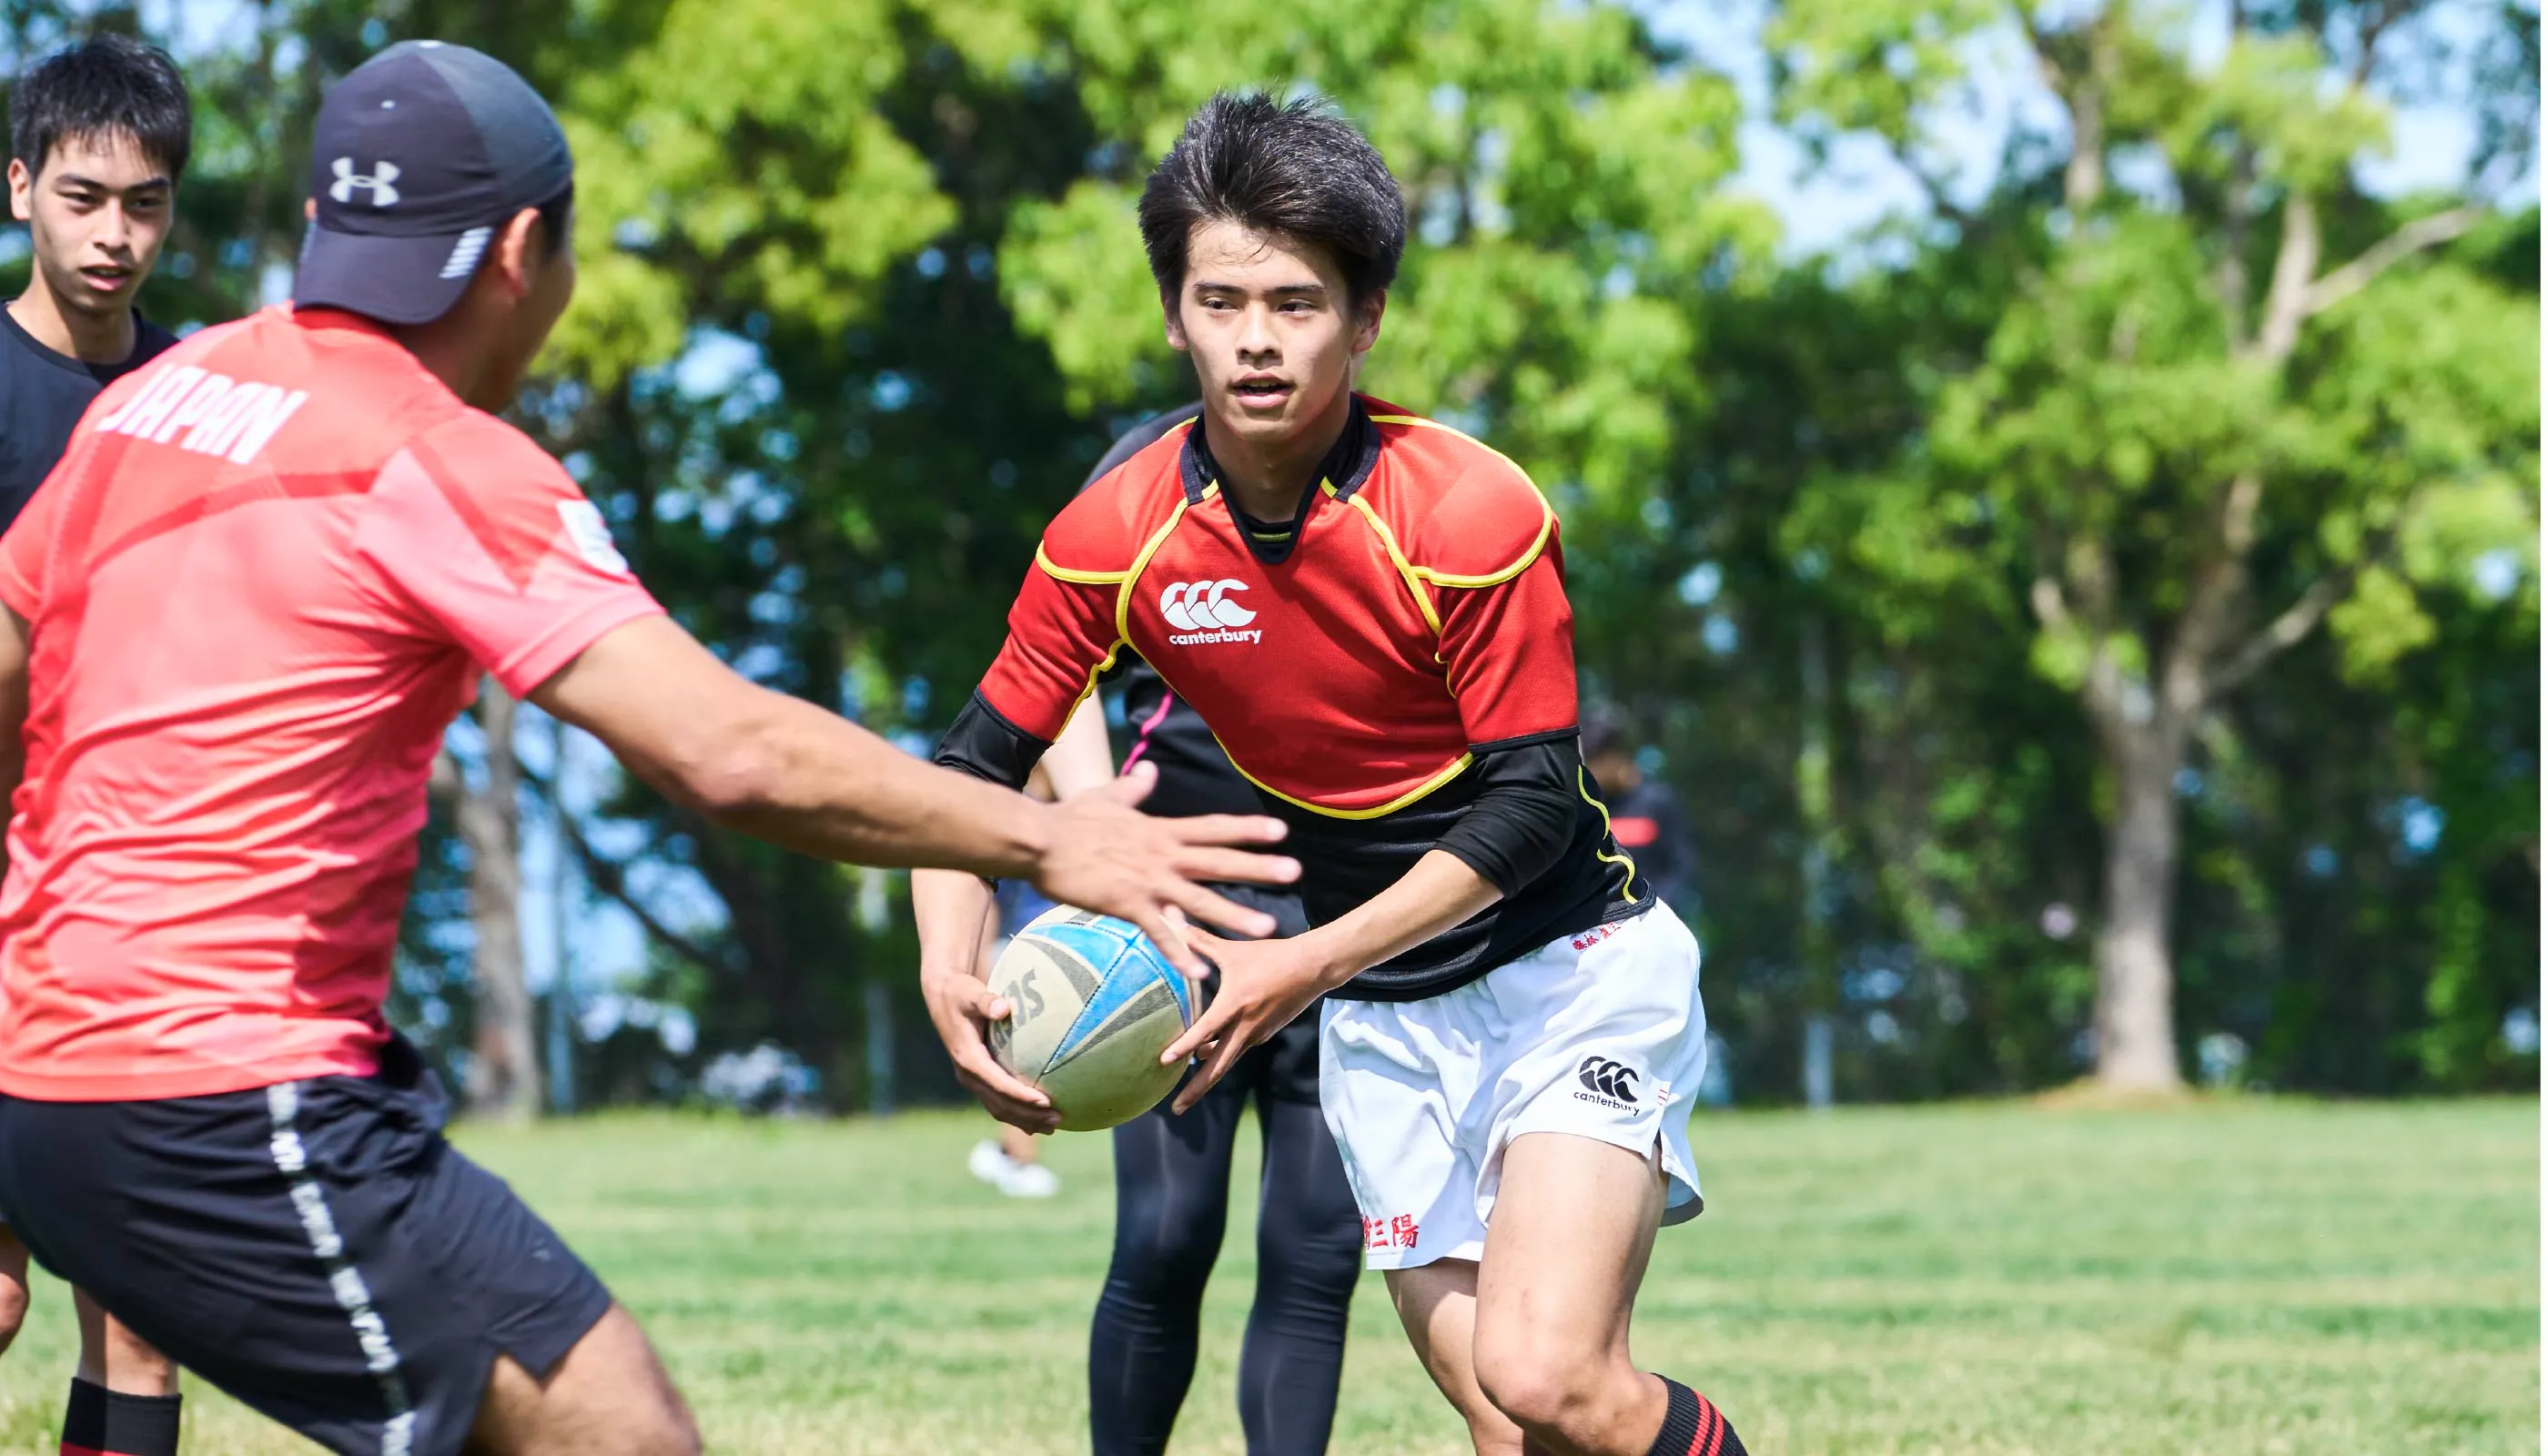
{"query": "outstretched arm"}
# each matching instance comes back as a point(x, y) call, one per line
point(782, 769)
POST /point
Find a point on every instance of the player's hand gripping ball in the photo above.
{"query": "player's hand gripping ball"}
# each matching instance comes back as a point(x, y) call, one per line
point(1092, 1004)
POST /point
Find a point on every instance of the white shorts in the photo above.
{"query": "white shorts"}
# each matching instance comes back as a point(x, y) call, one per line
point(1600, 1034)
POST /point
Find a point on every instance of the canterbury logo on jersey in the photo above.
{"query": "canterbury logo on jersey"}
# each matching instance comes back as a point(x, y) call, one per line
point(1207, 614)
point(219, 415)
point(1613, 1080)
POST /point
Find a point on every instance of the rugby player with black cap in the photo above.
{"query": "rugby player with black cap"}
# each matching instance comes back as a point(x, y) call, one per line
point(204, 1119)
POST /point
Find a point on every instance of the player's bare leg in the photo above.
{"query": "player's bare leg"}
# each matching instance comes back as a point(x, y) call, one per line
point(116, 1358)
point(12, 1286)
point(609, 1396)
point(124, 1396)
point(1437, 1302)
point(1532, 1343)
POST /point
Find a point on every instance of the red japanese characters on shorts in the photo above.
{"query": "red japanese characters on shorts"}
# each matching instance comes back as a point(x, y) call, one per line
point(1394, 1233)
point(1596, 934)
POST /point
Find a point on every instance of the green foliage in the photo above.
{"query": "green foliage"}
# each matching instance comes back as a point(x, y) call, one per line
point(862, 297)
point(1563, 180)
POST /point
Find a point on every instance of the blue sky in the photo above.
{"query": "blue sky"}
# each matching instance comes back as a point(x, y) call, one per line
point(1862, 185)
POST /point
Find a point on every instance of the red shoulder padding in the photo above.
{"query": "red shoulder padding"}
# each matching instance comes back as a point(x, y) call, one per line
point(1061, 634)
point(1463, 514)
point(1103, 529)
point(1509, 652)
point(1063, 629)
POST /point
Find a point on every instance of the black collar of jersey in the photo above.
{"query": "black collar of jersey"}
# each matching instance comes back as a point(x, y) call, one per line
point(1346, 466)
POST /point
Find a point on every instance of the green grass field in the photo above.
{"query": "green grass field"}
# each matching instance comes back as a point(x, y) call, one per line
point(2251, 1276)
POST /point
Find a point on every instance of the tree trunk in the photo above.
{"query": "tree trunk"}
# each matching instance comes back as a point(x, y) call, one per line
point(503, 1068)
point(2135, 979)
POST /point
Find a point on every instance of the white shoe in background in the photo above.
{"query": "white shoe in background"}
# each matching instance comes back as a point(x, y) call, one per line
point(1030, 1180)
point(1016, 1179)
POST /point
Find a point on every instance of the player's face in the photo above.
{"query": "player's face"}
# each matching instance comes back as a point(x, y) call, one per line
point(1272, 331)
point(548, 284)
point(97, 215)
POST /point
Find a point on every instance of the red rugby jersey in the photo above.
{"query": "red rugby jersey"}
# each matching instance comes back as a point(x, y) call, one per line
point(1414, 623)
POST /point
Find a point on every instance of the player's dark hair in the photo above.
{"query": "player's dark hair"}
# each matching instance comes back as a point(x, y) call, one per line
point(106, 85)
point(1293, 167)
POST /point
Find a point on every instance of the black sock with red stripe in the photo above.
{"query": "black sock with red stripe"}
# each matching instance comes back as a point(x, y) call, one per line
point(1692, 1426)
point(103, 1423)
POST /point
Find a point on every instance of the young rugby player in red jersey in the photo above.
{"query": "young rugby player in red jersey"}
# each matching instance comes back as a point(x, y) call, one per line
point(267, 574)
point(1369, 612)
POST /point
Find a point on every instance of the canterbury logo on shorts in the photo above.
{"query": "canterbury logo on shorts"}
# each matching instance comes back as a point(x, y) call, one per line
point(1611, 1080)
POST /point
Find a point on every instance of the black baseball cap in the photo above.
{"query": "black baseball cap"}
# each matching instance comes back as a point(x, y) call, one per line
point(419, 154)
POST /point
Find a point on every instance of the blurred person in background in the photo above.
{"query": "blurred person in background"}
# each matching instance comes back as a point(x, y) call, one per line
point(1645, 814)
point(99, 135)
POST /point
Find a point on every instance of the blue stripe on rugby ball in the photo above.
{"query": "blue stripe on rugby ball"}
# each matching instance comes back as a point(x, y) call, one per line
point(1104, 947)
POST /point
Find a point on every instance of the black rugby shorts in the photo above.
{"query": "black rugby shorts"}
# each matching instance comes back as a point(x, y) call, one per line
point(315, 1248)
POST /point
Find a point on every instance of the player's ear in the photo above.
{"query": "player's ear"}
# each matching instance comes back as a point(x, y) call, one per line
point(1176, 325)
point(22, 191)
point(1367, 311)
point(518, 252)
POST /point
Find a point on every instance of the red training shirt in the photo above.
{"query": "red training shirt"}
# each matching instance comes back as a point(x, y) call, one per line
point(261, 582)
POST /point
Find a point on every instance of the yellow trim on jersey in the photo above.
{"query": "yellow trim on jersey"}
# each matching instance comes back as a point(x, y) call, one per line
point(1104, 665)
point(1547, 520)
point(1074, 576)
point(1451, 770)
point(1142, 561)
point(1629, 891)
point(1408, 571)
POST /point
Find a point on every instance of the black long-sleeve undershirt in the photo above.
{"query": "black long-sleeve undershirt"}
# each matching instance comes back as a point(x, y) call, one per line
point(1519, 816)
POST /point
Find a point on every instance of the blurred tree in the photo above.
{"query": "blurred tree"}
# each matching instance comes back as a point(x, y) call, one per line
point(2034, 481)
point(2233, 400)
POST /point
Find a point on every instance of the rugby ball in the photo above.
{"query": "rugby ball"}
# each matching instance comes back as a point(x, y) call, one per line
point(1092, 1004)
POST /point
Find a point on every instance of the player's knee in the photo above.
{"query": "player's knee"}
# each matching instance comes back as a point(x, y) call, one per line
point(1310, 1261)
point(1546, 1386)
point(13, 1311)
point(669, 1432)
point(1164, 1257)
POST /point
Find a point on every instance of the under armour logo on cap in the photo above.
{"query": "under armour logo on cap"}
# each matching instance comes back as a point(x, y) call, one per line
point(378, 183)
point(476, 146)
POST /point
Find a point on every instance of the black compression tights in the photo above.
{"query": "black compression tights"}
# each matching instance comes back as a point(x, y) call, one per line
point(1172, 1198)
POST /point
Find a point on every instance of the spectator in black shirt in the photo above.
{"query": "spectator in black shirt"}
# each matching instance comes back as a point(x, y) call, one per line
point(99, 135)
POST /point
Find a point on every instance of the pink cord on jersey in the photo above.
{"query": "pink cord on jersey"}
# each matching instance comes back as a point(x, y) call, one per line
point(1167, 700)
